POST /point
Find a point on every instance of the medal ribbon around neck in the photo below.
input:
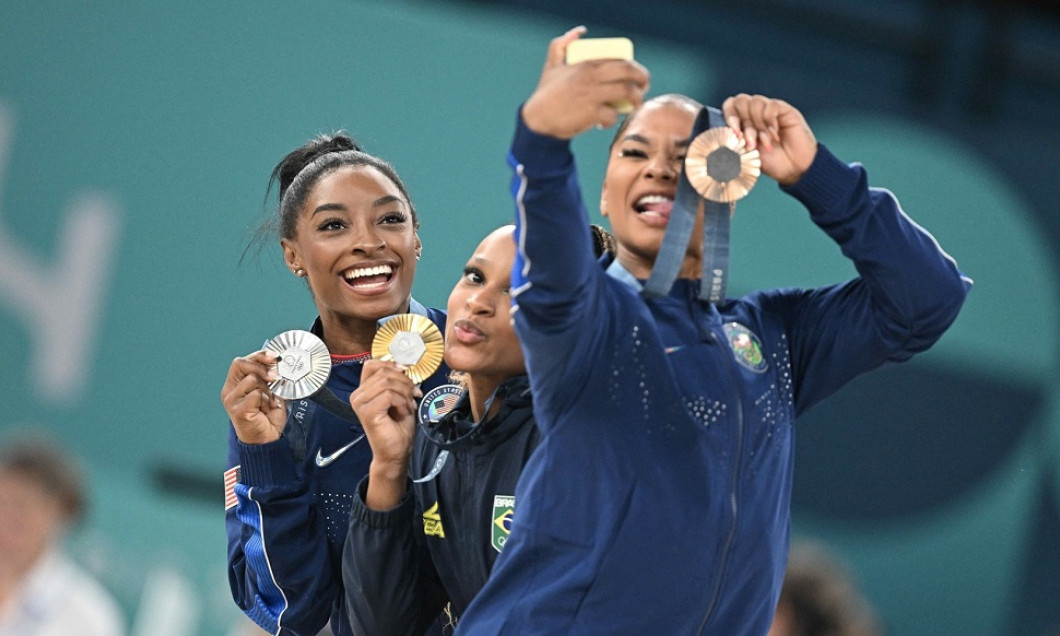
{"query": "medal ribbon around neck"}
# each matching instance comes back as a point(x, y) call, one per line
point(718, 170)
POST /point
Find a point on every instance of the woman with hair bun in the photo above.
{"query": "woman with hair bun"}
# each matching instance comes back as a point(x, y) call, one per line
point(347, 226)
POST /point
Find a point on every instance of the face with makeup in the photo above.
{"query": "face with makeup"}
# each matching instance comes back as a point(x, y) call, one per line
point(639, 186)
point(356, 242)
point(479, 338)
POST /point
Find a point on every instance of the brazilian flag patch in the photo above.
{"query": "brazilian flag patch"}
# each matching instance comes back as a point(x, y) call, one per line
point(503, 509)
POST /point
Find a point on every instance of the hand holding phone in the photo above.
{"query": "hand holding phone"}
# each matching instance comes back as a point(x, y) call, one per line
point(585, 49)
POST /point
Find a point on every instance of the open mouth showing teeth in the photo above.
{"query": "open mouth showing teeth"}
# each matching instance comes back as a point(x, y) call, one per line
point(368, 276)
point(658, 203)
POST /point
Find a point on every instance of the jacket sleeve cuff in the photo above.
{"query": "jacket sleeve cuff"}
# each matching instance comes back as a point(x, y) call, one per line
point(827, 184)
point(266, 464)
point(382, 519)
point(540, 155)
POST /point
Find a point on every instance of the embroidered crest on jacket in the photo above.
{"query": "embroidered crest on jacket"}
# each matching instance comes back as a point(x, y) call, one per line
point(746, 347)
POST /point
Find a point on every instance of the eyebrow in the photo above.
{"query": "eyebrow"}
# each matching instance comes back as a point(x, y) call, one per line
point(338, 207)
point(644, 140)
point(383, 200)
point(329, 207)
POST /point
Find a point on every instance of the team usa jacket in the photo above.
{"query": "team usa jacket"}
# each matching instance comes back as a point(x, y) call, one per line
point(287, 514)
point(659, 499)
point(438, 545)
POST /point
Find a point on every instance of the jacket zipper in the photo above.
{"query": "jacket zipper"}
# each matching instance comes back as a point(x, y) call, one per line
point(733, 500)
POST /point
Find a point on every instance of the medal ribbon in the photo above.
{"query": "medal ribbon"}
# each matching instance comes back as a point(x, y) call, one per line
point(327, 400)
point(679, 231)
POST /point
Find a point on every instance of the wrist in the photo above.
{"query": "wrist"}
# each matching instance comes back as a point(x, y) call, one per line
point(388, 471)
point(257, 438)
point(538, 123)
point(387, 484)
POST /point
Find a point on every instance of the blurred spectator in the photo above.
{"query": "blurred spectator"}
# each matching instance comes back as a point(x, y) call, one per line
point(42, 591)
point(820, 598)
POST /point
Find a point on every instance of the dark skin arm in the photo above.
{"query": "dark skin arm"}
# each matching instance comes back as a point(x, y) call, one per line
point(385, 404)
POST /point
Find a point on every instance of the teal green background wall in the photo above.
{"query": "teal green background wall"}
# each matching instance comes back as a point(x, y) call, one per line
point(136, 139)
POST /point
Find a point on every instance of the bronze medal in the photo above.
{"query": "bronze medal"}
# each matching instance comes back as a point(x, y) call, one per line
point(720, 167)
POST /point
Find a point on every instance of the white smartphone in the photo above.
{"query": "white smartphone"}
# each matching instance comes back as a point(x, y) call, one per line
point(599, 49)
point(602, 49)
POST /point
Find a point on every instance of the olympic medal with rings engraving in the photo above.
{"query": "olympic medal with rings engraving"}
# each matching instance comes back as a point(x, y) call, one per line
point(303, 367)
point(720, 167)
point(412, 341)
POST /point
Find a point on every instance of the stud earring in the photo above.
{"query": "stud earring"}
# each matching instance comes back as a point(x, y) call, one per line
point(300, 273)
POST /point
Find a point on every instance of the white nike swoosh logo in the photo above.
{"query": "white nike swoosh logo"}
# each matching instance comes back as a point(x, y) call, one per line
point(323, 461)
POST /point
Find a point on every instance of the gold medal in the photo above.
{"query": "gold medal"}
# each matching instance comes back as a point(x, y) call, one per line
point(720, 167)
point(304, 364)
point(412, 341)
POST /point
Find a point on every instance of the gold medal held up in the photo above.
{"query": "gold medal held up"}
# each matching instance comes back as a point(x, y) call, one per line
point(413, 342)
point(720, 167)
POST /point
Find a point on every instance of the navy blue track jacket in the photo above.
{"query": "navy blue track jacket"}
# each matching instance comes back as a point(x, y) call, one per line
point(659, 499)
point(438, 545)
point(287, 531)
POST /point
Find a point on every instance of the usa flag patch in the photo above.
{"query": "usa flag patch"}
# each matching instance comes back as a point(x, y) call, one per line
point(231, 478)
point(438, 401)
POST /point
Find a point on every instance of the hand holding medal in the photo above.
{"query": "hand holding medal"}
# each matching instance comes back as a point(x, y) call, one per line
point(777, 130)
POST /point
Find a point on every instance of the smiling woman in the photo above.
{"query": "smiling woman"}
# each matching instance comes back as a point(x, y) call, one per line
point(347, 226)
point(658, 501)
point(356, 245)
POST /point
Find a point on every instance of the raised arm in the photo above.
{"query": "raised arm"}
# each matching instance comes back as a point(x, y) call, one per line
point(552, 277)
point(909, 290)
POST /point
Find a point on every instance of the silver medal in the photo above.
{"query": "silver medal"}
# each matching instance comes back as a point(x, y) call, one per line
point(304, 364)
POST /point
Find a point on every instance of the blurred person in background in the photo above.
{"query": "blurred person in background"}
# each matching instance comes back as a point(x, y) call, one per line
point(43, 592)
point(819, 597)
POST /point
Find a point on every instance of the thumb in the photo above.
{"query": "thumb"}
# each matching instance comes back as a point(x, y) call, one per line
point(557, 49)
